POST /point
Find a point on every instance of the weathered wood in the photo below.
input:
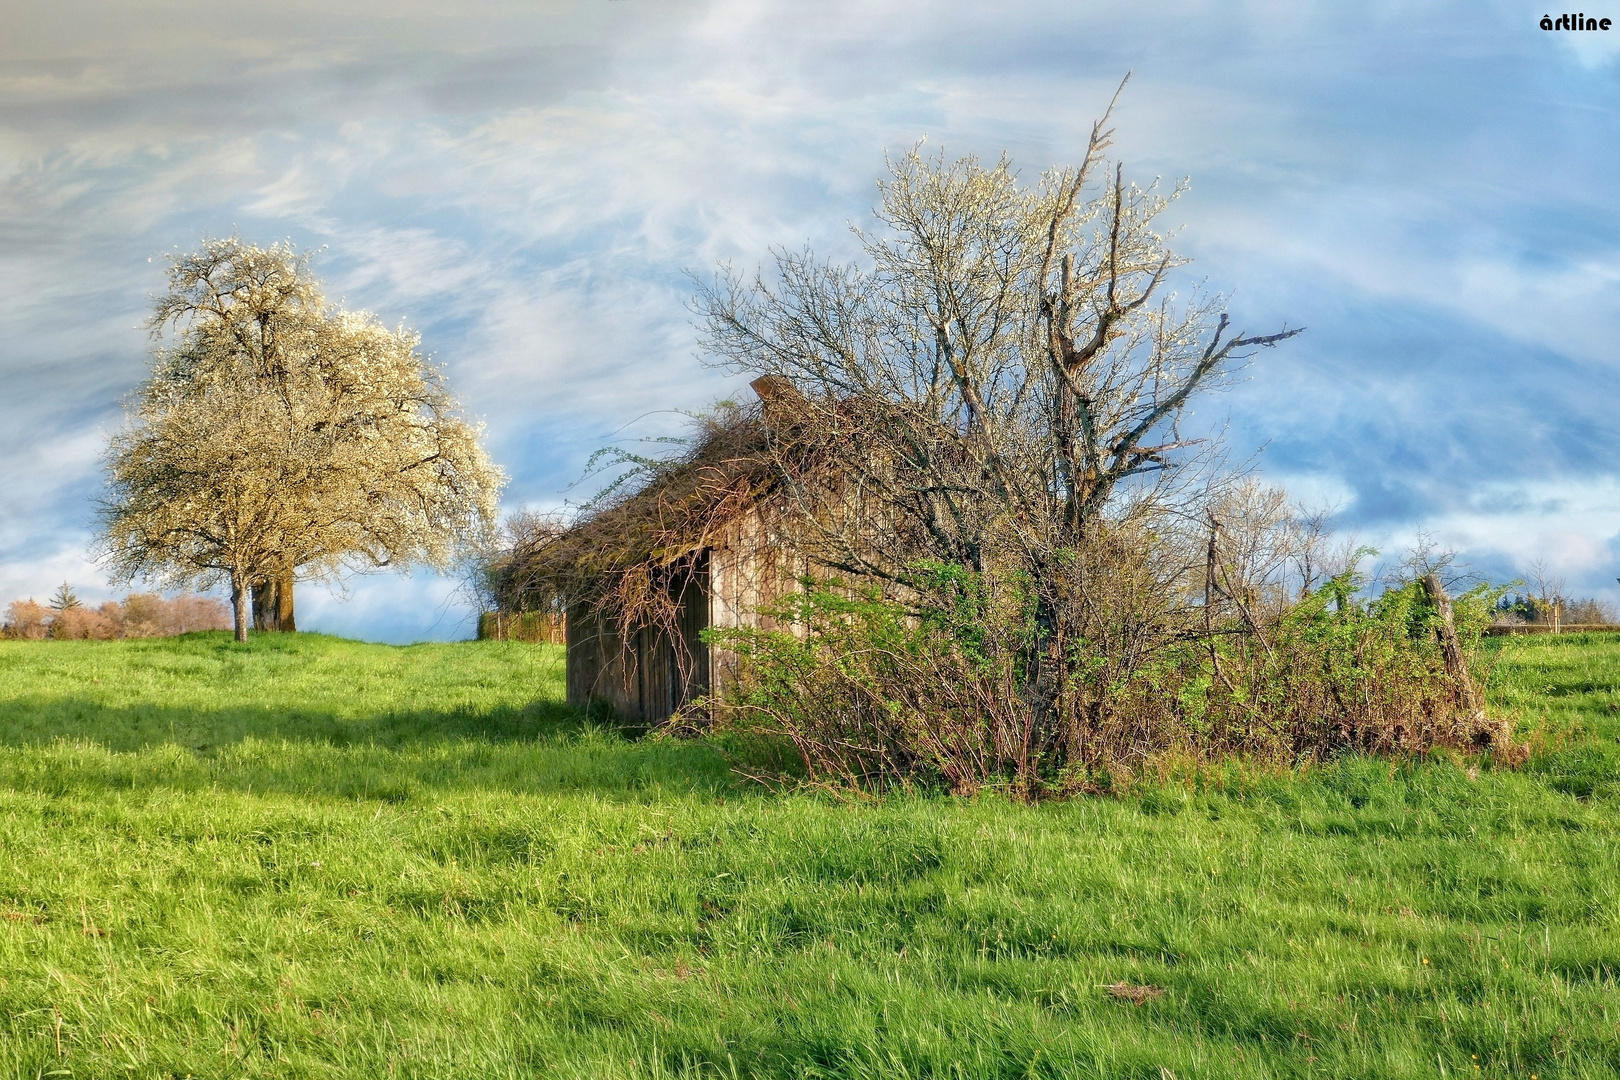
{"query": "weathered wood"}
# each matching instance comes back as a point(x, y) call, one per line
point(657, 670)
point(693, 663)
point(1451, 649)
point(600, 665)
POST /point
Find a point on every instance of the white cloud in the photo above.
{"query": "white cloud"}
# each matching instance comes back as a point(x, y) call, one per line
point(391, 608)
point(526, 184)
point(37, 578)
point(1571, 529)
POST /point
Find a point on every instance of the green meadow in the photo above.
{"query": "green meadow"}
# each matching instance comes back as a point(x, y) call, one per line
point(310, 857)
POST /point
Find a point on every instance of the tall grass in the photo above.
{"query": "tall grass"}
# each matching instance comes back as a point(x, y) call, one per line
point(314, 858)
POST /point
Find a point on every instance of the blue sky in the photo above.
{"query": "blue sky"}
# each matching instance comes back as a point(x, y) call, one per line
point(1429, 188)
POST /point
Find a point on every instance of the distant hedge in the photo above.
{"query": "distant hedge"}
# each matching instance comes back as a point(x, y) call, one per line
point(137, 615)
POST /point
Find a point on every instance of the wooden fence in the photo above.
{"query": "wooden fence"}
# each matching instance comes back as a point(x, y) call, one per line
point(1512, 629)
point(537, 626)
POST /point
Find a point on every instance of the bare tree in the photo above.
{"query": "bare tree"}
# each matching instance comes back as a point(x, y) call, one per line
point(1001, 384)
point(497, 573)
point(1549, 599)
point(1269, 549)
point(322, 439)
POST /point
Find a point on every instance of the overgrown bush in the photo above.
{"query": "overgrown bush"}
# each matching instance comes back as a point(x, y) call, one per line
point(535, 626)
point(81, 623)
point(1029, 565)
point(873, 692)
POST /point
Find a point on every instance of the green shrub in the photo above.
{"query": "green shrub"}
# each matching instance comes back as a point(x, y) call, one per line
point(940, 691)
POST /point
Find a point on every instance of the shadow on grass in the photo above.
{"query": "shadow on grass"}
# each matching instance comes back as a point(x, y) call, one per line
point(41, 719)
point(74, 746)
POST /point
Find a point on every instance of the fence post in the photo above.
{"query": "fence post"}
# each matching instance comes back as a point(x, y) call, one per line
point(1450, 647)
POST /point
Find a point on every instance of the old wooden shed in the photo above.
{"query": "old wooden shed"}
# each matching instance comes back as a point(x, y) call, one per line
point(699, 543)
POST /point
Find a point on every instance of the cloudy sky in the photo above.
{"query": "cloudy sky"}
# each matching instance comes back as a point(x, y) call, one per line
point(1430, 188)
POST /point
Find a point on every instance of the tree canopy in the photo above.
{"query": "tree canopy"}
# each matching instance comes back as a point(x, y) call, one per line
point(281, 435)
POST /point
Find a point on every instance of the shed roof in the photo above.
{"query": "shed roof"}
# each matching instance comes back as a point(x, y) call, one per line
point(668, 509)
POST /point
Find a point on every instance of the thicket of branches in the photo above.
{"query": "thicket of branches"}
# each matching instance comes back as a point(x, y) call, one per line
point(1534, 609)
point(872, 692)
point(1541, 600)
point(619, 553)
point(1032, 573)
point(1027, 569)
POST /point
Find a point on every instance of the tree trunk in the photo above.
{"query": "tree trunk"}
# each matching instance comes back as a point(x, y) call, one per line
point(1450, 647)
point(273, 604)
point(239, 605)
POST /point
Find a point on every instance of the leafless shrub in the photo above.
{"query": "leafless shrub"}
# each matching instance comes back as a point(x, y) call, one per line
point(1545, 602)
point(1538, 609)
point(873, 693)
point(138, 615)
point(625, 555)
point(150, 615)
point(27, 620)
point(80, 623)
point(532, 626)
point(1589, 611)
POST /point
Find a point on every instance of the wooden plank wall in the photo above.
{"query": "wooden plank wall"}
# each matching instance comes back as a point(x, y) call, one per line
point(600, 665)
point(693, 670)
point(646, 678)
point(750, 567)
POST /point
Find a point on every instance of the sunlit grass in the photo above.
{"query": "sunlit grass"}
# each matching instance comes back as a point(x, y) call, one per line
point(326, 859)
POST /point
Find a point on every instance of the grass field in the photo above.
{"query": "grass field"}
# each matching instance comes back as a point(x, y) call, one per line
point(315, 858)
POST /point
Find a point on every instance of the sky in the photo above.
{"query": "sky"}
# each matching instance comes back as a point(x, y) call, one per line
point(1429, 188)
